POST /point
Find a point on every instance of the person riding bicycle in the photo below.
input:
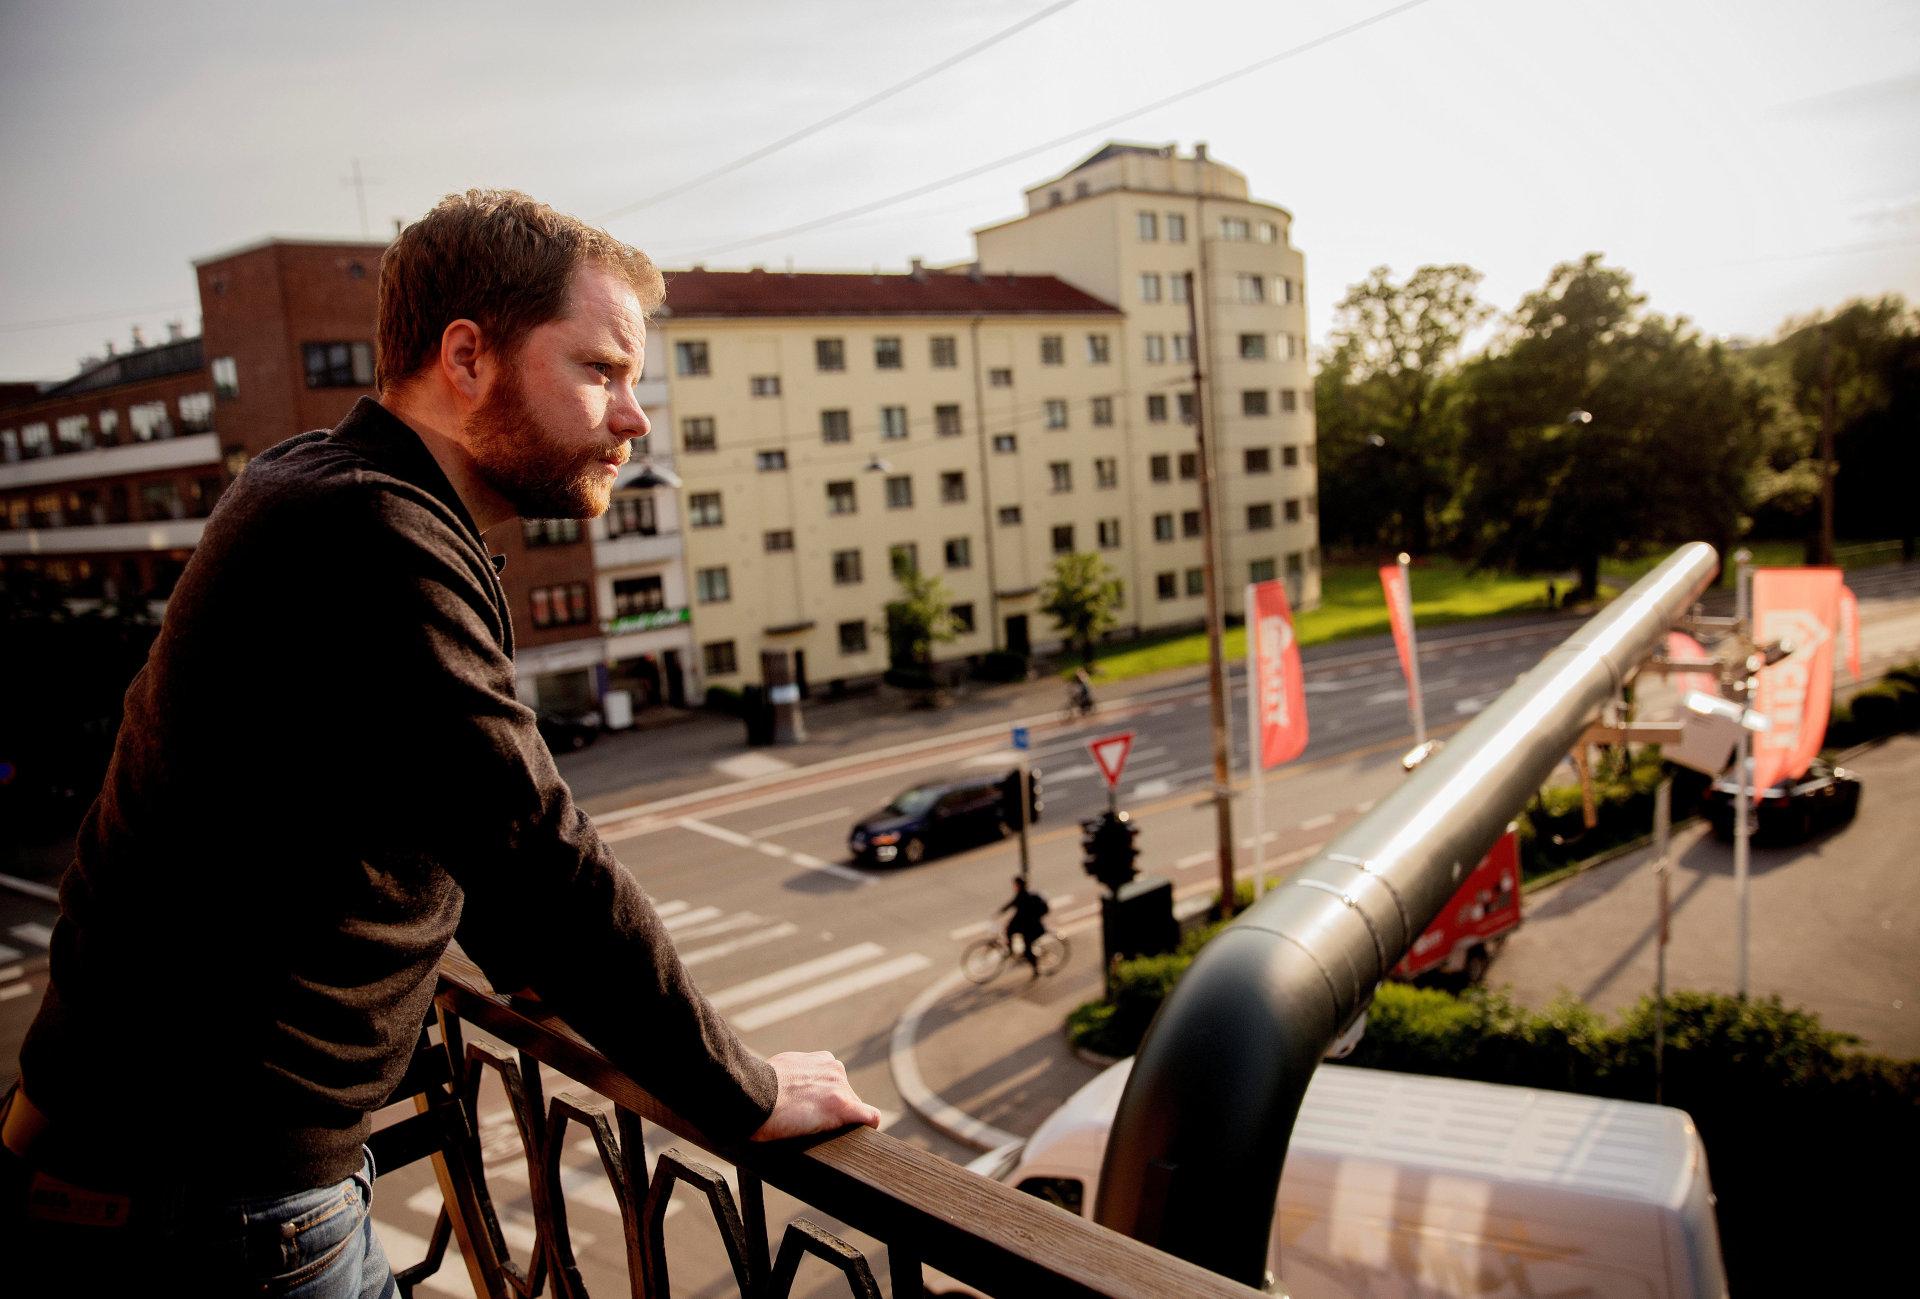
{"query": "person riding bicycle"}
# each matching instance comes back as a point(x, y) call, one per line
point(1028, 907)
point(1081, 695)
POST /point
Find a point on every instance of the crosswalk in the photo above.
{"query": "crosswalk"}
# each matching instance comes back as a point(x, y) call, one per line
point(32, 938)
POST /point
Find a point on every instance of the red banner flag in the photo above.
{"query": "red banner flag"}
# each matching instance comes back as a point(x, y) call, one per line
point(1682, 648)
point(1850, 630)
point(1800, 608)
point(1281, 703)
point(1400, 610)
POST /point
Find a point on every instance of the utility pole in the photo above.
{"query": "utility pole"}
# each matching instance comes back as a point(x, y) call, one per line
point(359, 184)
point(1216, 655)
point(1824, 554)
point(1743, 791)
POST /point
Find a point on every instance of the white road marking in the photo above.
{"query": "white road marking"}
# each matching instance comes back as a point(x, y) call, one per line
point(828, 868)
point(1152, 789)
point(665, 909)
point(832, 990)
point(1464, 706)
point(1384, 697)
point(9, 991)
point(1193, 859)
point(739, 920)
point(1366, 807)
point(714, 832)
point(9, 953)
point(753, 989)
point(1065, 774)
point(1315, 822)
point(1161, 710)
point(13, 972)
point(740, 944)
point(34, 933)
point(32, 888)
point(771, 849)
point(1347, 681)
point(692, 917)
point(745, 766)
point(801, 821)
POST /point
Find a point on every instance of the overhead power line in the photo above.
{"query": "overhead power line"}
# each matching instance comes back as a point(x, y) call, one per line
point(745, 159)
point(1211, 83)
point(57, 322)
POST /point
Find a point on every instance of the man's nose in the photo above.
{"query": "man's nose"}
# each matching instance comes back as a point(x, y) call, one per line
point(629, 419)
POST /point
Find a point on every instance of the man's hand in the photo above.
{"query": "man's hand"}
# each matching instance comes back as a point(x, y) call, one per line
point(814, 1097)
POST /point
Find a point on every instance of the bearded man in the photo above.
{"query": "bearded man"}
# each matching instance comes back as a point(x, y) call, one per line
point(323, 777)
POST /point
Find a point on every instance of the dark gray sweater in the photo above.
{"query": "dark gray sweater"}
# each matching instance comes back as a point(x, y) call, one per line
point(321, 777)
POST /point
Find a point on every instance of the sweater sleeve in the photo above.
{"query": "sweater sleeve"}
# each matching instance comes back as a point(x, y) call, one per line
point(459, 775)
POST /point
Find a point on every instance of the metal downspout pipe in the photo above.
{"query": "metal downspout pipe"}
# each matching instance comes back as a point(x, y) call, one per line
point(1193, 1161)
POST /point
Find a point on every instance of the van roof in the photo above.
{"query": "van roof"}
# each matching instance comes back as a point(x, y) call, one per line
point(1621, 1149)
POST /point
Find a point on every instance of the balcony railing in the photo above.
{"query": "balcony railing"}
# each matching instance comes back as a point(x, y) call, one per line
point(174, 452)
point(924, 1210)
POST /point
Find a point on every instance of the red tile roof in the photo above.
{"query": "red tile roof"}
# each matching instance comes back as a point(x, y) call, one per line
point(931, 293)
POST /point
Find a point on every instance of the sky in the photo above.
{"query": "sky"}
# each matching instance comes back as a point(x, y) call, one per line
point(1748, 162)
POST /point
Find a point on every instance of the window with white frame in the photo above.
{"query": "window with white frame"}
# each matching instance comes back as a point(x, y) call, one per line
point(836, 426)
point(226, 376)
point(1150, 286)
point(1176, 288)
point(944, 351)
point(1289, 401)
point(1060, 473)
point(1163, 527)
point(147, 419)
point(1102, 412)
point(1234, 229)
point(73, 433)
point(1260, 570)
point(196, 412)
point(703, 510)
point(1109, 530)
point(769, 461)
point(846, 567)
point(1106, 472)
point(1176, 228)
point(1156, 348)
point(765, 385)
point(1253, 347)
point(1267, 232)
point(886, 353)
point(1000, 378)
point(900, 492)
point(690, 358)
point(710, 585)
point(1008, 515)
point(1148, 224)
point(959, 552)
point(1056, 409)
point(1053, 350)
point(893, 423)
point(946, 421)
point(1253, 401)
point(717, 657)
point(840, 498)
point(829, 354)
point(1183, 347)
point(1099, 349)
point(953, 487)
point(1251, 288)
point(1005, 443)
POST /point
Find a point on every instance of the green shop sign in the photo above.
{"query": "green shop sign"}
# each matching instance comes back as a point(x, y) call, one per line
point(652, 620)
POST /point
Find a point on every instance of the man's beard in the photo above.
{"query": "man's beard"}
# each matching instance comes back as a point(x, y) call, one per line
point(534, 473)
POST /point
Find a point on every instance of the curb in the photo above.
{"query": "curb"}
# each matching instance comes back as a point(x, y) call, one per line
point(936, 1113)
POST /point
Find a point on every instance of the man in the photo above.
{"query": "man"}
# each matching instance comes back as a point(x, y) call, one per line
point(1025, 923)
point(323, 775)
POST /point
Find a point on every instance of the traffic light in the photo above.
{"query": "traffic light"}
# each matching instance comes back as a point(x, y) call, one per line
point(1010, 797)
point(1108, 848)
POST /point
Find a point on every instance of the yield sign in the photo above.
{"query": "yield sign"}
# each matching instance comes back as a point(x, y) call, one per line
point(1111, 754)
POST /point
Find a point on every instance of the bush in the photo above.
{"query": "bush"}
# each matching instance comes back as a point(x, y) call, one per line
point(723, 699)
point(916, 677)
point(1002, 666)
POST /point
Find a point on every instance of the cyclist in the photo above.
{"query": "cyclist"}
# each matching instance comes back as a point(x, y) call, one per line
point(1080, 697)
point(1028, 907)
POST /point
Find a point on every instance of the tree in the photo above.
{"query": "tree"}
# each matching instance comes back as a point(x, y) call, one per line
point(1385, 417)
point(1082, 595)
point(920, 619)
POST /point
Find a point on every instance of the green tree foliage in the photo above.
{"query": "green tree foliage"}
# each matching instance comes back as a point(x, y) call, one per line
point(1388, 436)
point(1596, 429)
point(920, 619)
point(1083, 596)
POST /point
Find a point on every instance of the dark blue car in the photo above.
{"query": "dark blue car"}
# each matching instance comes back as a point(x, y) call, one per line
point(938, 817)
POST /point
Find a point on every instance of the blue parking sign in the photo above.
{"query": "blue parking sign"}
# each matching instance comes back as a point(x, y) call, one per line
point(1020, 738)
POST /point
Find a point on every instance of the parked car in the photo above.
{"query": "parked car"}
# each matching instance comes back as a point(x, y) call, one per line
point(1472, 928)
point(1824, 795)
point(564, 733)
point(937, 817)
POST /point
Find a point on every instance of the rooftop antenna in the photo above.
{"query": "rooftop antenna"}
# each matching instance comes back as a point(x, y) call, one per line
point(360, 183)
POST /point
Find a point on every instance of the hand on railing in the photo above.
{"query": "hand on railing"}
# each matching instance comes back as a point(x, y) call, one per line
point(815, 1096)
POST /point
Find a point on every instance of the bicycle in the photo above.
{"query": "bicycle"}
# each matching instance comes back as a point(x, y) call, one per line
point(1079, 704)
point(984, 958)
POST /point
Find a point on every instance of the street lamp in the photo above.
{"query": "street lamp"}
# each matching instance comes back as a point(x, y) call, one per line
point(1579, 417)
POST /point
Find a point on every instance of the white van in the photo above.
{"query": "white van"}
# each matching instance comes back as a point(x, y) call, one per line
point(1403, 1185)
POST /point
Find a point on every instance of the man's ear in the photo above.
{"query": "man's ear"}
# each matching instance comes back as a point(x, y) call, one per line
point(463, 359)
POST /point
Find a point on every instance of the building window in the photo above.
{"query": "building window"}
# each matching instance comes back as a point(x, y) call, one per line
point(226, 376)
point(338, 365)
point(196, 412)
point(148, 420)
point(1253, 347)
point(1160, 468)
point(1189, 523)
point(690, 358)
point(1165, 585)
point(1259, 460)
point(1063, 538)
point(853, 637)
point(1287, 287)
point(717, 657)
point(110, 429)
point(765, 385)
point(1196, 581)
point(1109, 534)
point(631, 515)
point(886, 353)
point(549, 532)
point(1289, 456)
point(1163, 527)
point(1253, 401)
point(1288, 400)
point(840, 498)
point(1149, 286)
point(1009, 515)
point(904, 559)
point(710, 586)
point(1106, 472)
point(946, 421)
point(697, 434)
point(893, 423)
point(1000, 378)
point(829, 354)
point(561, 606)
point(1176, 288)
point(1176, 228)
point(962, 616)
point(1189, 465)
point(1005, 443)
point(836, 426)
point(900, 492)
point(768, 461)
point(1062, 474)
point(1053, 350)
point(75, 433)
point(1056, 413)
point(945, 351)
point(846, 567)
point(1183, 402)
point(1157, 408)
point(779, 541)
point(1099, 349)
point(703, 510)
point(1234, 229)
point(959, 552)
point(1102, 412)
point(1156, 348)
point(1294, 566)
point(1251, 288)
point(1149, 226)
point(1293, 510)
point(1183, 347)
point(1260, 570)
point(1260, 517)
point(633, 595)
point(1267, 231)
point(953, 487)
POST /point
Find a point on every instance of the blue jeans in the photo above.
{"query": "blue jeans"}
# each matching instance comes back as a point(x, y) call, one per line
point(312, 1244)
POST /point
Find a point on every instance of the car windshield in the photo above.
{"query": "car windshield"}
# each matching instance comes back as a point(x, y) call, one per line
point(914, 801)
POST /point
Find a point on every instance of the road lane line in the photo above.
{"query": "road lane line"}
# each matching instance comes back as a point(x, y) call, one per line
point(34, 933)
point(9, 991)
point(1070, 773)
point(665, 909)
point(1315, 822)
point(813, 863)
point(1193, 859)
point(9, 953)
point(714, 832)
point(801, 821)
point(1161, 710)
point(1150, 789)
point(13, 972)
point(740, 920)
point(832, 990)
point(779, 980)
point(771, 849)
point(732, 945)
point(32, 888)
point(692, 917)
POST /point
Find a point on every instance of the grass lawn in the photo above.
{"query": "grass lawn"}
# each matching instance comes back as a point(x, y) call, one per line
point(1770, 554)
point(1351, 604)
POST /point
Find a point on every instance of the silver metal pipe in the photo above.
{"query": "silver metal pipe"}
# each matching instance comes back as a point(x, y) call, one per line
point(1193, 1161)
